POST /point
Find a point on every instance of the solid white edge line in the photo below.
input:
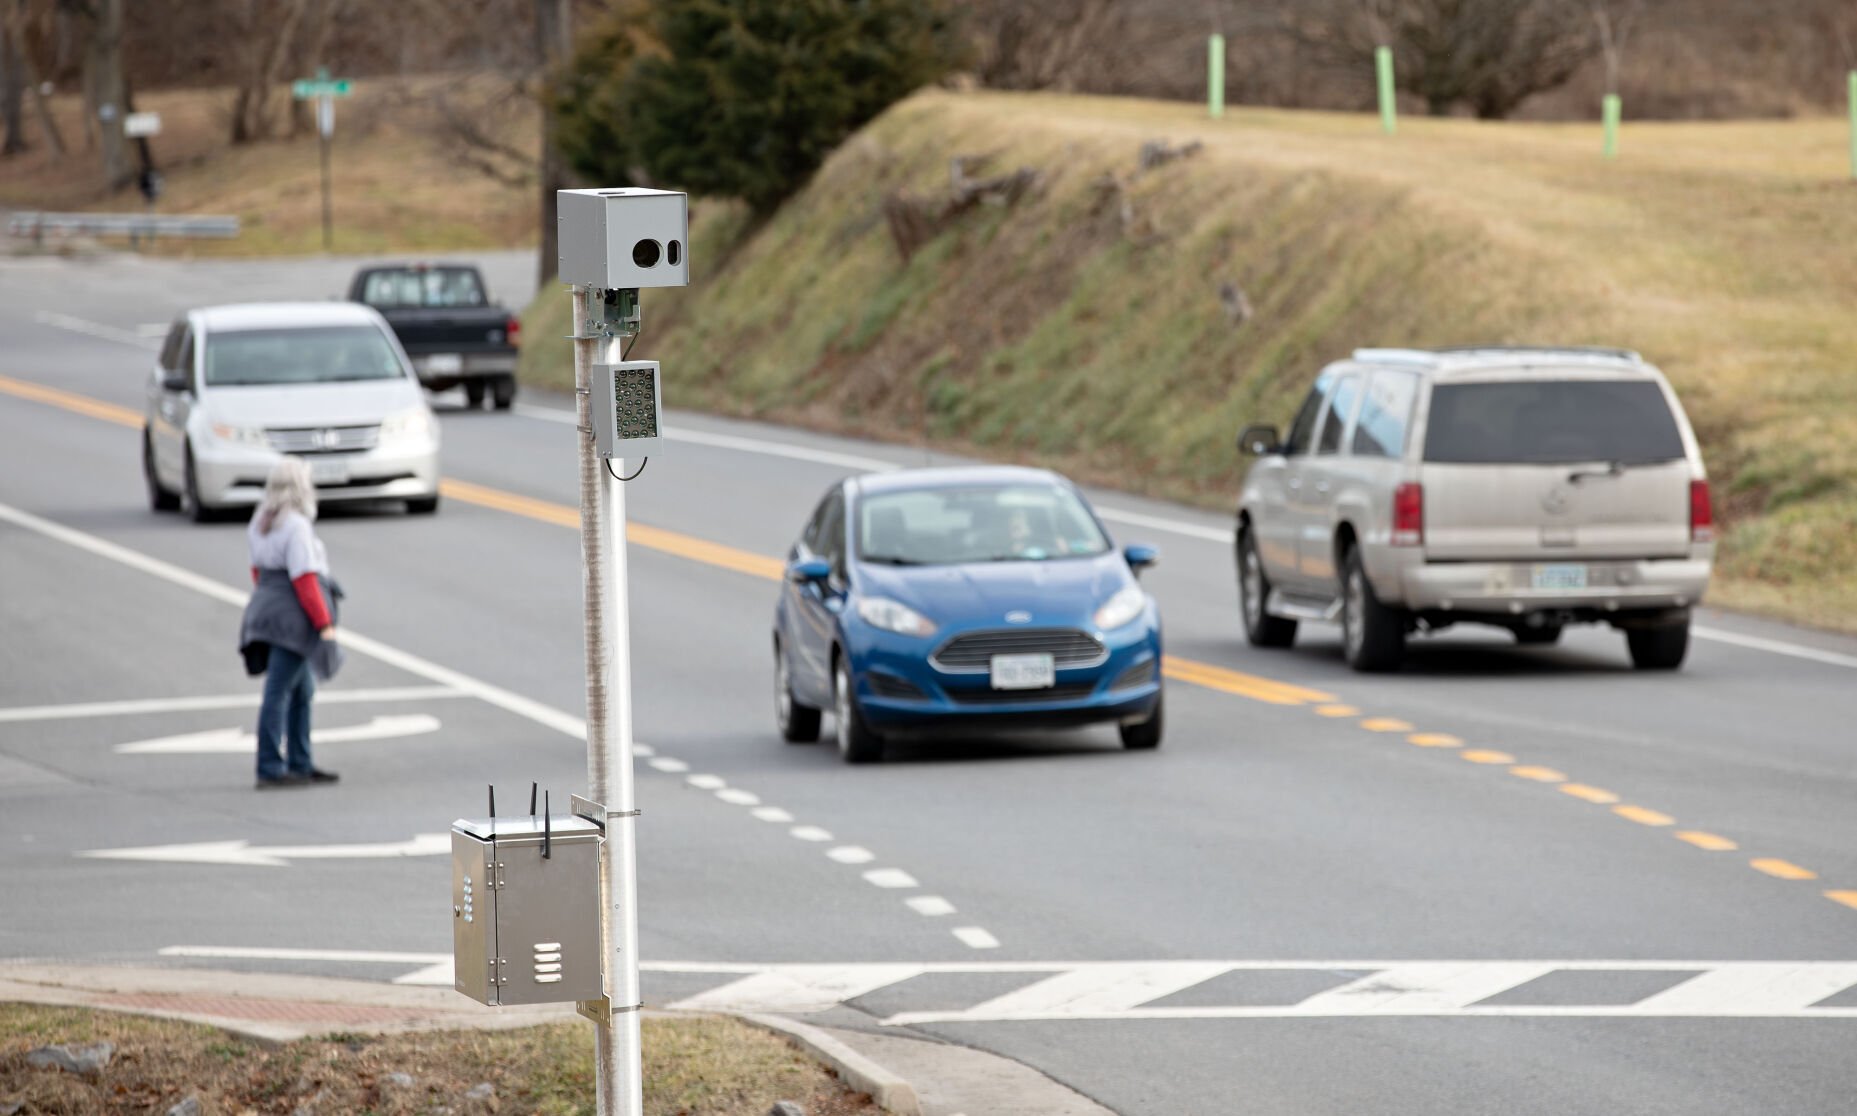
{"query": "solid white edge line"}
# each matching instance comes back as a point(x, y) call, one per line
point(1775, 646)
point(222, 701)
point(256, 953)
point(96, 329)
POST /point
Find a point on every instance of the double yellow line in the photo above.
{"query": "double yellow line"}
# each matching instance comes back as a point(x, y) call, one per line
point(1211, 677)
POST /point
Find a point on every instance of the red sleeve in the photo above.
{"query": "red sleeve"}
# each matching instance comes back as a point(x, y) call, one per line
point(309, 591)
point(254, 575)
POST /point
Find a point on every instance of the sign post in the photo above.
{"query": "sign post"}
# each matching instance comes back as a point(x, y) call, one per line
point(1610, 111)
point(323, 91)
point(1383, 79)
point(1215, 76)
point(1854, 124)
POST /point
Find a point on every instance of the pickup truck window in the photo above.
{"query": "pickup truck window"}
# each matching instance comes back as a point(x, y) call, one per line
point(1551, 422)
point(422, 287)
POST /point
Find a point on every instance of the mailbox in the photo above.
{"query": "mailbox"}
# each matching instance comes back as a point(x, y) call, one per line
point(525, 895)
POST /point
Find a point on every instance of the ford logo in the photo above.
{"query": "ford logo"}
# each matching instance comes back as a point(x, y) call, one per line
point(1018, 616)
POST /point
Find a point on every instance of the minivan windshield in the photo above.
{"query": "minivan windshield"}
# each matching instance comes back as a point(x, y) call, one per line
point(992, 523)
point(1551, 422)
point(312, 355)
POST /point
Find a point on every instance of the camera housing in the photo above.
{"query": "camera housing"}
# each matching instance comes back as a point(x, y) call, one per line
point(623, 237)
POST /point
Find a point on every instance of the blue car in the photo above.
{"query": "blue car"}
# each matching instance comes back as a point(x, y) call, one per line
point(931, 600)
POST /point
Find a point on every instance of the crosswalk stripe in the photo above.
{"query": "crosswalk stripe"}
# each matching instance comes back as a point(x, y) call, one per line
point(1100, 990)
point(798, 988)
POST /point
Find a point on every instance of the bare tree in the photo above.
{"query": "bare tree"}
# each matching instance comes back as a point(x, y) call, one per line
point(554, 44)
point(1615, 20)
point(1490, 55)
point(12, 94)
point(18, 19)
point(105, 85)
point(261, 34)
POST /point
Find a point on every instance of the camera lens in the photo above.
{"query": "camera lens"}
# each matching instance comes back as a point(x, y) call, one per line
point(645, 253)
point(673, 252)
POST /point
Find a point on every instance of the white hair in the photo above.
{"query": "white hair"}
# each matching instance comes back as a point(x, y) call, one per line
point(288, 488)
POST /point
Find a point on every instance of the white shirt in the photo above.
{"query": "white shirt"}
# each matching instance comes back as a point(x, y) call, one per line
point(291, 545)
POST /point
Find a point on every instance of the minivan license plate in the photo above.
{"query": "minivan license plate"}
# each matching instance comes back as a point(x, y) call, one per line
point(331, 471)
point(1024, 672)
point(1560, 577)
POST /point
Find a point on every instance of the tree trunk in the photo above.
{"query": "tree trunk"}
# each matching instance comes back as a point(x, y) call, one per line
point(12, 95)
point(104, 61)
point(14, 18)
point(554, 42)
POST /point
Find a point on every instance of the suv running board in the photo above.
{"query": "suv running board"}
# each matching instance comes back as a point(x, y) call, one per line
point(1291, 608)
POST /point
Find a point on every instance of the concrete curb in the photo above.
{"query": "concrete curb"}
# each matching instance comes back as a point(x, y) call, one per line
point(887, 1088)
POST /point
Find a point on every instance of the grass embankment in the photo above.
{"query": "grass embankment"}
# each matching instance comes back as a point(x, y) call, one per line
point(397, 184)
point(696, 1066)
point(1060, 332)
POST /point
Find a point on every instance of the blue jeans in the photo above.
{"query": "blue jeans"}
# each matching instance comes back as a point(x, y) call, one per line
point(285, 715)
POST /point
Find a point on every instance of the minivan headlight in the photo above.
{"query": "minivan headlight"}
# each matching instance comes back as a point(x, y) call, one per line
point(240, 435)
point(1122, 608)
point(414, 425)
point(894, 616)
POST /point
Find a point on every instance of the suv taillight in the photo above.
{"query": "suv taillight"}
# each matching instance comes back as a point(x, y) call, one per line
point(512, 331)
point(1701, 513)
point(1409, 515)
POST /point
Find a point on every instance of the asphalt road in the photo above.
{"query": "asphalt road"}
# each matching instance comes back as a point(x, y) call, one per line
point(1503, 881)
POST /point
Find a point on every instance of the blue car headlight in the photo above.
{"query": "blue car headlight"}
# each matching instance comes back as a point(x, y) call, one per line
point(1123, 608)
point(894, 616)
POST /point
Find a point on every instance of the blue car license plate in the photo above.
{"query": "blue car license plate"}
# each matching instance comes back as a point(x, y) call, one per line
point(1560, 577)
point(1024, 672)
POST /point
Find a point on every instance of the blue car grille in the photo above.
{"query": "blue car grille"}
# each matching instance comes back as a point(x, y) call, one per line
point(974, 651)
point(1140, 674)
point(1063, 691)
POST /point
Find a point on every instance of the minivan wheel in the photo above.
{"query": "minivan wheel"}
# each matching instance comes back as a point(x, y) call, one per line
point(1545, 636)
point(190, 493)
point(798, 722)
point(1260, 628)
point(856, 742)
point(159, 498)
point(1659, 648)
point(1373, 636)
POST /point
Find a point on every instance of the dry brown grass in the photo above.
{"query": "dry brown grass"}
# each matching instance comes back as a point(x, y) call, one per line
point(694, 1066)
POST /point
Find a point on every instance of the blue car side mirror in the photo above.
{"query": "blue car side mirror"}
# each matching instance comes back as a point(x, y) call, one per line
point(1140, 556)
point(812, 569)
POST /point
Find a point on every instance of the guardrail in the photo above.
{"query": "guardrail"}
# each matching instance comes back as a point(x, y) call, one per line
point(135, 226)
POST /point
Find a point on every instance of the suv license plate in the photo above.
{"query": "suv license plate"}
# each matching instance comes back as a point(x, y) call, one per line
point(1560, 577)
point(1024, 672)
point(445, 362)
point(329, 472)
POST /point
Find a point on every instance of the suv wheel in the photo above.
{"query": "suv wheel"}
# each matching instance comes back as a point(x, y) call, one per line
point(1373, 636)
point(1260, 628)
point(1659, 648)
point(159, 498)
point(798, 723)
point(856, 742)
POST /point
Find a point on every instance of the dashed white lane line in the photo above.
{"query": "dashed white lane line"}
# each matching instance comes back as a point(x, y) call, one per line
point(735, 796)
point(851, 854)
point(771, 814)
point(931, 906)
point(810, 833)
point(707, 782)
point(97, 329)
point(890, 878)
point(974, 937)
point(670, 766)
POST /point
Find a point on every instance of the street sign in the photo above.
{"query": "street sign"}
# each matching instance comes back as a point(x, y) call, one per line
point(140, 124)
point(305, 88)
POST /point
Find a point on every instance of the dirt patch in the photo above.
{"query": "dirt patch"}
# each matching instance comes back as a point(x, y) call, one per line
point(696, 1066)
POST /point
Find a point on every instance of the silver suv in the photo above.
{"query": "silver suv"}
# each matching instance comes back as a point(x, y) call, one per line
point(1528, 488)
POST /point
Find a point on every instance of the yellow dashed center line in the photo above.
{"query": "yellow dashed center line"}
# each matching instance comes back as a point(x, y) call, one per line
point(1589, 794)
point(1385, 724)
point(1708, 842)
point(1848, 898)
point(1643, 816)
point(1336, 711)
point(70, 401)
point(1782, 869)
point(1434, 740)
point(1538, 774)
point(1267, 690)
point(1485, 755)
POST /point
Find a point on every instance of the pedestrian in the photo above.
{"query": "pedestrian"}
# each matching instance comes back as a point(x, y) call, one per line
point(288, 634)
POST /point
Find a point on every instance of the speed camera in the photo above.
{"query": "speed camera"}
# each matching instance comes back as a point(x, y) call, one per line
point(623, 238)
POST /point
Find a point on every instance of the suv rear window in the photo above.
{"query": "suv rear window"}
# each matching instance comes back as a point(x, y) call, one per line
point(1551, 422)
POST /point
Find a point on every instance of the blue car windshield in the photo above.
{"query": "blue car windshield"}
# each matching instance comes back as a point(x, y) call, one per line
point(991, 523)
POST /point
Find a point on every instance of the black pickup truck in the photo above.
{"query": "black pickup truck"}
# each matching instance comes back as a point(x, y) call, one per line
point(449, 327)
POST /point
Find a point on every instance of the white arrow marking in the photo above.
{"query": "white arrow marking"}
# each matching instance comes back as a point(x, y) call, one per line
point(242, 740)
point(243, 853)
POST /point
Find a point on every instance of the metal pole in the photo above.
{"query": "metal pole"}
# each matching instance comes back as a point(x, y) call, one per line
point(1383, 79)
point(325, 124)
point(607, 632)
point(1215, 76)
point(1610, 110)
point(1854, 124)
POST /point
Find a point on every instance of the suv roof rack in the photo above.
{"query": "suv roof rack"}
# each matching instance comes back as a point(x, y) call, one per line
point(1578, 350)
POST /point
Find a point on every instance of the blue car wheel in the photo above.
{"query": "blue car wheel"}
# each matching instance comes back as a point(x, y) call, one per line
point(856, 742)
point(798, 722)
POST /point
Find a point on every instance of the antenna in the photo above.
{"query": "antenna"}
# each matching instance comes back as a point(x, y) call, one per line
point(547, 829)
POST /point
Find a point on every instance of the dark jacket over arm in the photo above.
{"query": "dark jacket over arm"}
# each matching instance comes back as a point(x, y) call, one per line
point(275, 617)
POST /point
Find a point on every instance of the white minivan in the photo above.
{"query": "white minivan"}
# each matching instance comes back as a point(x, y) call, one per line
point(237, 387)
point(1529, 488)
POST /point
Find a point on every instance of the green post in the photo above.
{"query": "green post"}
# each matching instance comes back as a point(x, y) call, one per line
point(1854, 124)
point(1383, 71)
point(1610, 110)
point(1215, 76)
